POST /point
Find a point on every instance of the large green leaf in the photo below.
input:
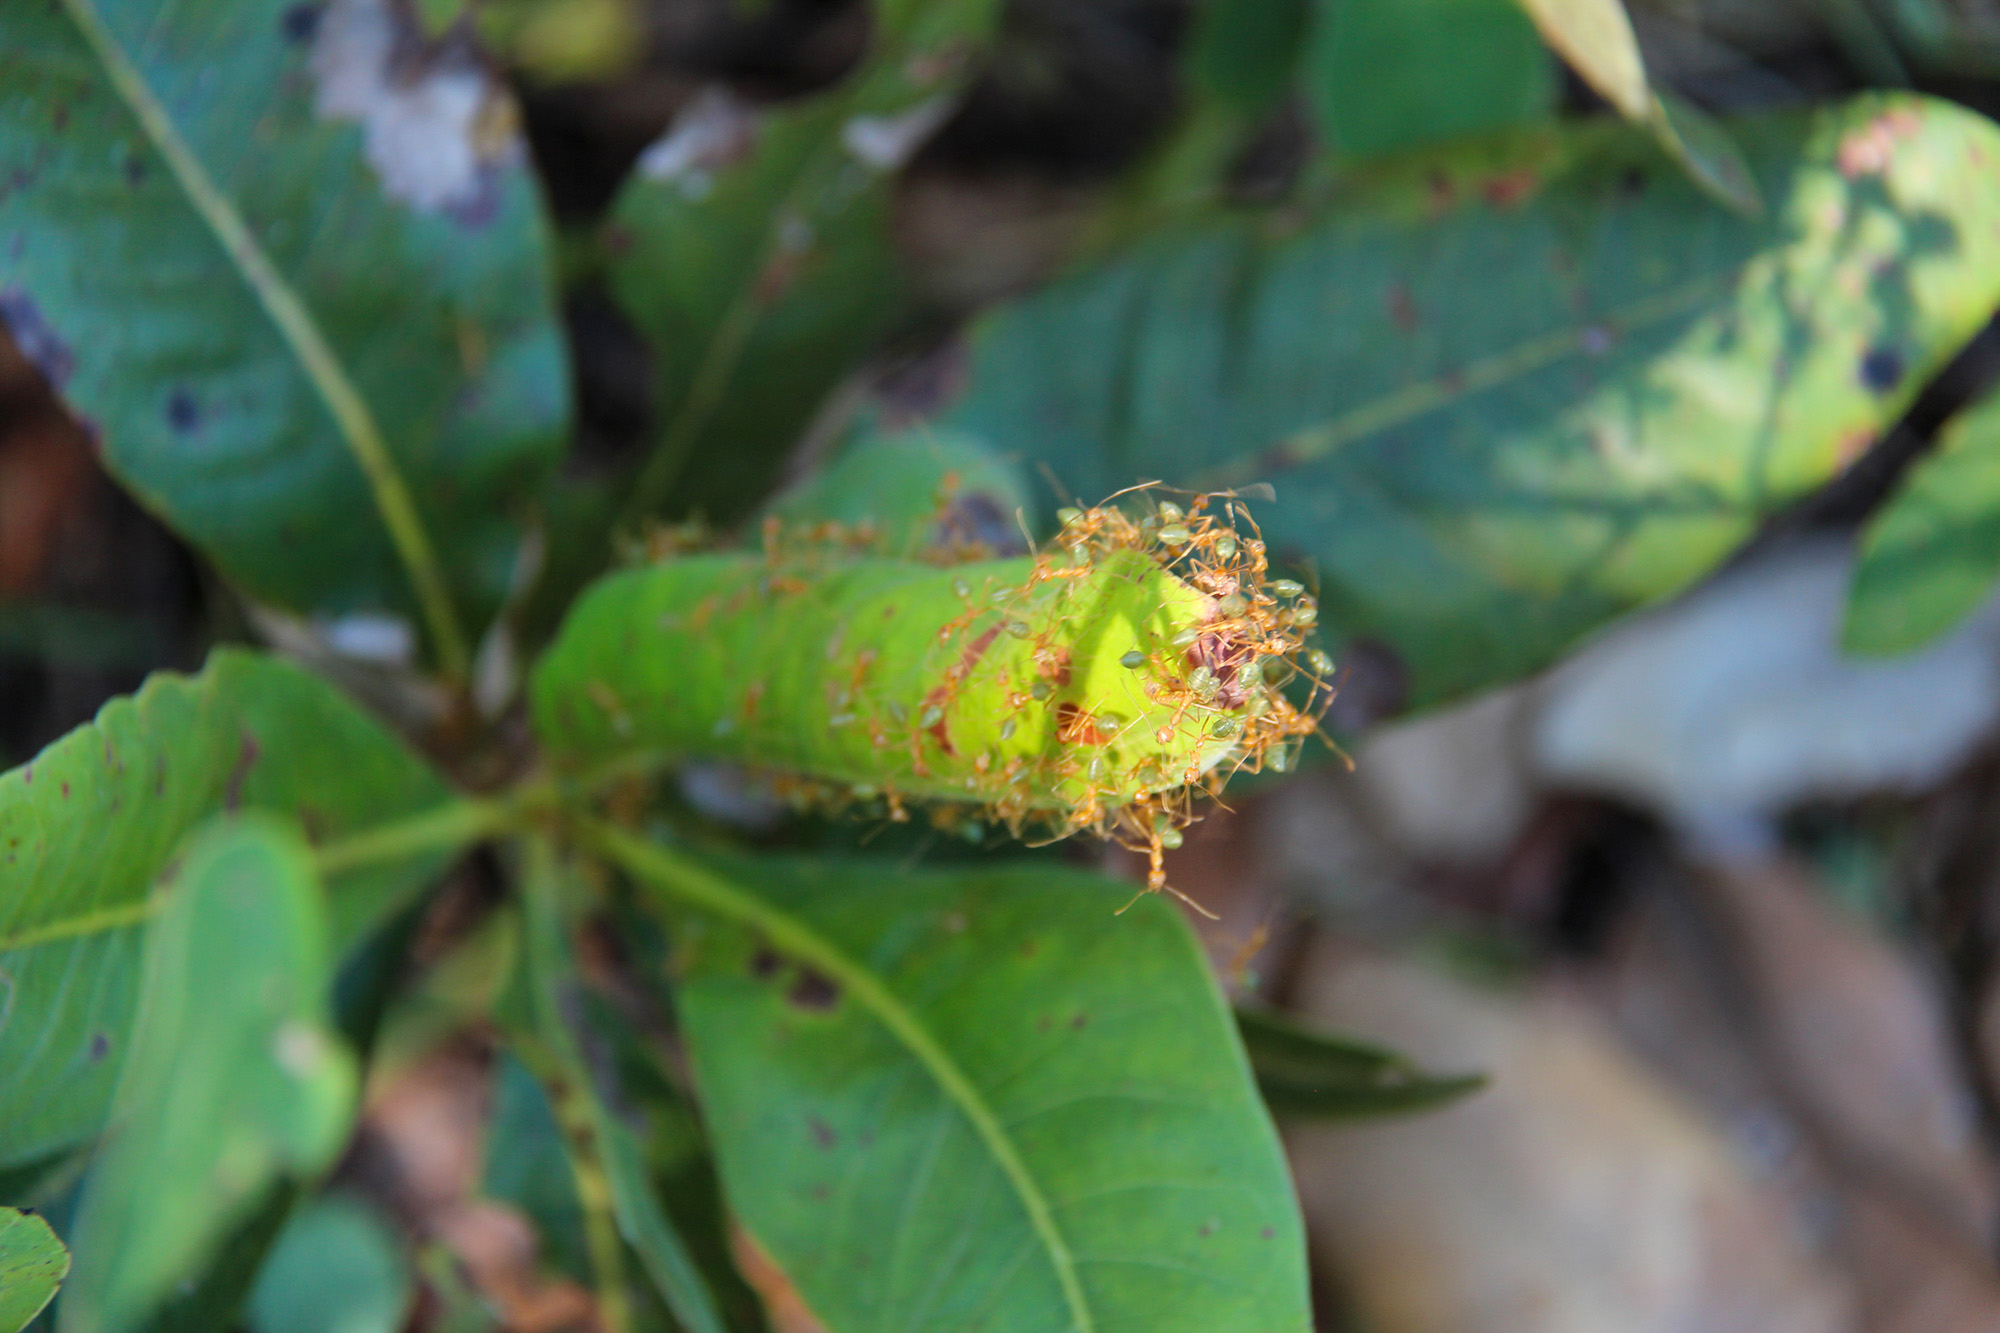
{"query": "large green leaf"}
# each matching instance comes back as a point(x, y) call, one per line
point(1933, 552)
point(245, 288)
point(1508, 393)
point(752, 249)
point(236, 1078)
point(88, 825)
point(978, 1100)
point(33, 1264)
point(1387, 75)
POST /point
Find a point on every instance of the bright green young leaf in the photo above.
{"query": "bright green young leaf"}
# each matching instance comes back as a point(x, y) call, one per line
point(253, 256)
point(752, 249)
point(33, 1264)
point(947, 1101)
point(236, 1078)
point(1306, 1073)
point(1388, 75)
point(338, 1267)
point(1510, 392)
point(87, 827)
point(1932, 554)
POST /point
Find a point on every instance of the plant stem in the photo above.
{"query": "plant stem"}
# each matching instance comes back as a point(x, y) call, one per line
point(320, 363)
point(550, 1051)
point(449, 827)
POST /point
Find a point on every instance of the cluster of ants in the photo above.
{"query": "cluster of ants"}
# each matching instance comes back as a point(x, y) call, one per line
point(1224, 679)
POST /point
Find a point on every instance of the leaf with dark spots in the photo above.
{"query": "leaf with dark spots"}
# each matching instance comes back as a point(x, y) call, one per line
point(1091, 1155)
point(250, 733)
point(1564, 442)
point(209, 294)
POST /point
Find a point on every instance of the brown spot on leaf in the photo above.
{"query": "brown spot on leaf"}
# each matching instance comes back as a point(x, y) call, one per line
point(812, 991)
point(822, 1134)
point(1509, 188)
point(764, 964)
point(247, 753)
point(1402, 307)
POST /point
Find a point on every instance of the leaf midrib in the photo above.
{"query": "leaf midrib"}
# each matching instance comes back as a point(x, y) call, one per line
point(693, 884)
point(286, 310)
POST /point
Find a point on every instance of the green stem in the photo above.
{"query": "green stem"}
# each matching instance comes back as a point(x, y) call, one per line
point(551, 1053)
point(452, 826)
point(657, 867)
point(593, 1183)
point(322, 366)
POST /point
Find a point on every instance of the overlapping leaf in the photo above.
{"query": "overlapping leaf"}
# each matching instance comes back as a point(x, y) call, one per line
point(1507, 393)
point(1307, 1073)
point(1933, 552)
point(33, 1264)
point(239, 242)
point(752, 249)
point(979, 1100)
point(1388, 75)
point(87, 827)
point(235, 1081)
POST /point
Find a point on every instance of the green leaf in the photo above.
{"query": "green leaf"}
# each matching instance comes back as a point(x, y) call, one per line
point(33, 1264)
point(1510, 392)
point(1947, 36)
point(1306, 1073)
point(618, 1169)
point(920, 489)
point(752, 249)
point(88, 825)
point(1243, 57)
point(247, 292)
point(236, 1077)
point(1930, 556)
point(1388, 75)
point(978, 1100)
point(1595, 37)
point(337, 1268)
